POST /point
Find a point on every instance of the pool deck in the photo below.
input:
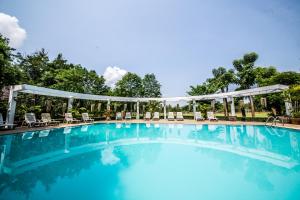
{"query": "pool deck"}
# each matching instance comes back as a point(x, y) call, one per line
point(162, 121)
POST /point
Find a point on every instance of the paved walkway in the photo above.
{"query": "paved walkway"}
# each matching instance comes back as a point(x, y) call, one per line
point(22, 129)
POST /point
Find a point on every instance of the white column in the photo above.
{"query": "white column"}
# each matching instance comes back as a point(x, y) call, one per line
point(194, 108)
point(70, 104)
point(108, 105)
point(137, 110)
point(10, 117)
point(213, 105)
point(165, 109)
point(232, 107)
point(288, 108)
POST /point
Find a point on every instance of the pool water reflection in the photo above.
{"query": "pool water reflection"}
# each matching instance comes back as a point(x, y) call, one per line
point(151, 161)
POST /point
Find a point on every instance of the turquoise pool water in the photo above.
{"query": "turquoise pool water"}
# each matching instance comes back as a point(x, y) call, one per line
point(151, 162)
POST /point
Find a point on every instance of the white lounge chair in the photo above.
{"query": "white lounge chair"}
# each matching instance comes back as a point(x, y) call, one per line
point(156, 116)
point(3, 125)
point(86, 118)
point(148, 116)
point(211, 116)
point(179, 116)
point(171, 116)
point(31, 121)
point(198, 116)
point(119, 116)
point(46, 117)
point(128, 116)
point(69, 118)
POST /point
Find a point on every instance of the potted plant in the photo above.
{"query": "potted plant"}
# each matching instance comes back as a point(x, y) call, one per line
point(295, 118)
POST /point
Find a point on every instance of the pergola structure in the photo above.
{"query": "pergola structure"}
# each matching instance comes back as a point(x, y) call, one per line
point(30, 89)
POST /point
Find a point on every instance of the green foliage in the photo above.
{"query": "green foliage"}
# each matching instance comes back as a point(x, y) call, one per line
point(9, 74)
point(129, 86)
point(151, 87)
point(245, 72)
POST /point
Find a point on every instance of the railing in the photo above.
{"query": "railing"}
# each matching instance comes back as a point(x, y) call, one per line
point(274, 121)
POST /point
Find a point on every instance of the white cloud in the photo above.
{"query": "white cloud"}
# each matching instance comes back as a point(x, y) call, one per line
point(112, 75)
point(108, 157)
point(9, 28)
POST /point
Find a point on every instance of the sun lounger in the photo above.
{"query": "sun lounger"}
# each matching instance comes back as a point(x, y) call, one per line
point(86, 118)
point(3, 125)
point(69, 118)
point(46, 117)
point(171, 116)
point(179, 116)
point(198, 116)
point(148, 116)
point(31, 121)
point(119, 116)
point(128, 116)
point(156, 116)
point(211, 116)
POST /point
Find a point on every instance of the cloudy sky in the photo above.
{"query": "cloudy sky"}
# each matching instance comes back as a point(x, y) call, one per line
point(179, 41)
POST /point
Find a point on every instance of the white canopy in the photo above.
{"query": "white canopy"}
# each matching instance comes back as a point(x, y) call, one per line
point(64, 94)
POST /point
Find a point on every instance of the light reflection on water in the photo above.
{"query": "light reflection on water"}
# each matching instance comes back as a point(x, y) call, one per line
point(151, 161)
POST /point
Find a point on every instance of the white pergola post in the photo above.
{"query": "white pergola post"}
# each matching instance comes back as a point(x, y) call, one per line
point(137, 110)
point(10, 117)
point(108, 105)
point(232, 107)
point(165, 109)
point(288, 108)
point(70, 104)
point(194, 108)
point(213, 105)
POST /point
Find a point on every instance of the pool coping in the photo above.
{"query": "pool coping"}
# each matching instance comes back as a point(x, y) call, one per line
point(187, 122)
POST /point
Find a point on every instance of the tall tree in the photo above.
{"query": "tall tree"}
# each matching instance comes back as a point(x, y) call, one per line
point(245, 74)
point(129, 86)
point(151, 87)
point(221, 80)
point(9, 74)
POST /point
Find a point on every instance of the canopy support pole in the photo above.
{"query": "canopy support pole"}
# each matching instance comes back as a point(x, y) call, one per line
point(137, 110)
point(70, 104)
point(10, 117)
point(194, 108)
point(232, 107)
point(165, 109)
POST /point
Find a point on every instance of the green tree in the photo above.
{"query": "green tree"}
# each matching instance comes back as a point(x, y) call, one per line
point(151, 87)
point(129, 86)
point(221, 80)
point(9, 74)
point(245, 74)
point(264, 75)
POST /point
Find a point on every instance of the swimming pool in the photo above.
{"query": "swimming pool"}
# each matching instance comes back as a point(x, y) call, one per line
point(151, 161)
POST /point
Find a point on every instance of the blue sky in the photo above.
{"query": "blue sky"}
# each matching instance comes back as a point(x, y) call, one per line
point(179, 41)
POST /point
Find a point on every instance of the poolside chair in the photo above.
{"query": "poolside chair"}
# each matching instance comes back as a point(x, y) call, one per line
point(119, 116)
point(31, 121)
point(156, 116)
point(211, 116)
point(5, 126)
point(179, 116)
point(198, 116)
point(69, 118)
point(46, 117)
point(86, 118)
point(171, 116)
point(148, 116)
point(128, 116)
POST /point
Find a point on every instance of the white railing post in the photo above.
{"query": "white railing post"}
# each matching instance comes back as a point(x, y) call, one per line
point(194, 108)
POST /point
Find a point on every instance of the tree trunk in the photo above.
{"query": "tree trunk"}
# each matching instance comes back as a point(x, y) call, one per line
point(252, 106)
point(225, 105)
